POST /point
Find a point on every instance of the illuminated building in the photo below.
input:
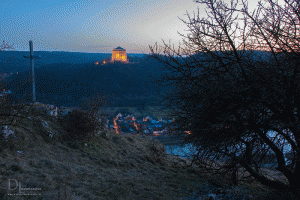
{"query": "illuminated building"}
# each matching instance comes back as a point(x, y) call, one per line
point(119, 54)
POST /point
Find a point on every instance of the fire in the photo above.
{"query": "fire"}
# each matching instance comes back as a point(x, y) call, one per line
point(188, 132)
point(104, 62)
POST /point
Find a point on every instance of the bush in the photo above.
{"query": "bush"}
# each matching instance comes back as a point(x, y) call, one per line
point(7, 142)
point(78, 127)
point(156, 151)
point(3, 142)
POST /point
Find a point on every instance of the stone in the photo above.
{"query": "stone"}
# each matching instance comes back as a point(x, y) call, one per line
point(45, 124)
point(6, 131)
point(211, 196)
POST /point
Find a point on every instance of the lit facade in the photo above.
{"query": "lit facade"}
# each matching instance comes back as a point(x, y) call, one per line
point(119, 54)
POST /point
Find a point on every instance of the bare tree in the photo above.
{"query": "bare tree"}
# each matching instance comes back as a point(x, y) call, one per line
point(10, 114)
point(5, 46)
point(20, 114)
point(237, 80)
point(92, 105)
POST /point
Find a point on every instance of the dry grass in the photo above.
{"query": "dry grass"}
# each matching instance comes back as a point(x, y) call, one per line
point(109, 167)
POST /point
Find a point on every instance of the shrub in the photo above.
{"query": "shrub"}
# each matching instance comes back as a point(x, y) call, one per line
point(3, 142)
point(7, 142)
point(78, 127)
point(156, 151)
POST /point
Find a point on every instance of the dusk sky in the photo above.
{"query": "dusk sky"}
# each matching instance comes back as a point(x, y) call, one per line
point(93, 26)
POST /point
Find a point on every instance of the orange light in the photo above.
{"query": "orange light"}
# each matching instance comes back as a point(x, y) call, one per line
point(119, 54)
point(136, 126)
point(116, 126)
point(188, 132)
point(96, 63)
point(104, 61)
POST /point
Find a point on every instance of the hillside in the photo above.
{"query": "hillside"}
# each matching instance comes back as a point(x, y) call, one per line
point(14, 61)
point(111, 166)
point(67, 84)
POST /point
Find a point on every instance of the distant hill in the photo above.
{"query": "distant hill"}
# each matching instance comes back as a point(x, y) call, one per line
point(66, 84)
point(14, 61)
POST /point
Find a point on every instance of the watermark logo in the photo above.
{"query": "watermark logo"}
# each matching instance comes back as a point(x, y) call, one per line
point(18, 190)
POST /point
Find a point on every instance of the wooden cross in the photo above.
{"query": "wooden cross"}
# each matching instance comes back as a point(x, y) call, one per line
point(32, 68)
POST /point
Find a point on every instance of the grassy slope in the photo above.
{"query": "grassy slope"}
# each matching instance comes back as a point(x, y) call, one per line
point(110, 167)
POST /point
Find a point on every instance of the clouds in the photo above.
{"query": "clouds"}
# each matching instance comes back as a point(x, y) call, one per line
point(92, 25)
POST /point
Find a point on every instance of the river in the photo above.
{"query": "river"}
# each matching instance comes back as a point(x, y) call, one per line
point(175, 146)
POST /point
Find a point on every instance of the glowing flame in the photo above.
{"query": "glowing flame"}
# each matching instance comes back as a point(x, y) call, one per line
point(188, 132)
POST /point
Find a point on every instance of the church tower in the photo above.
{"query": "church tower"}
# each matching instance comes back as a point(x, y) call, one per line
point(119, 54)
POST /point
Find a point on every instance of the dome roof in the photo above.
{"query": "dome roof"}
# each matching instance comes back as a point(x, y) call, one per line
point(119, 47)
